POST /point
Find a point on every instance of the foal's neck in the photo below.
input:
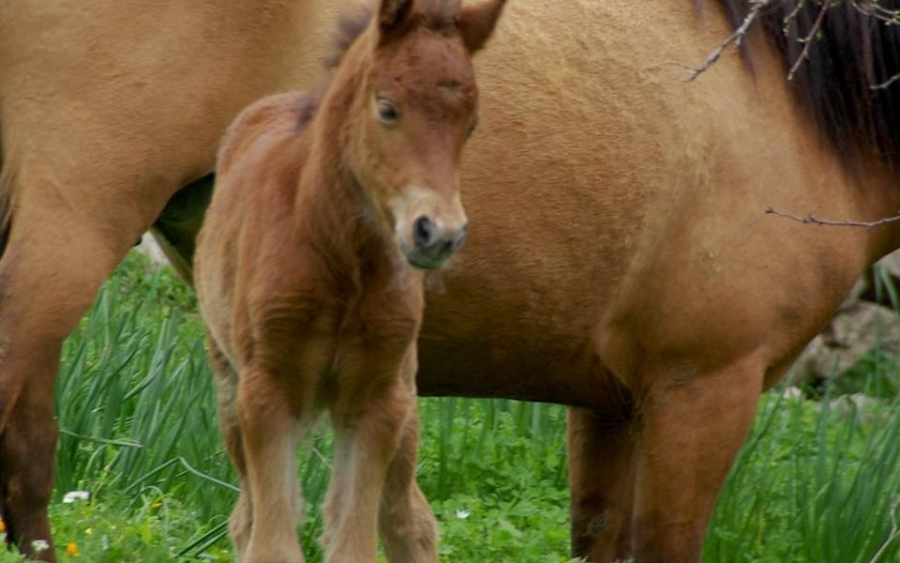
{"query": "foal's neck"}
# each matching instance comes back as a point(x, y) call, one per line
point(339, 221)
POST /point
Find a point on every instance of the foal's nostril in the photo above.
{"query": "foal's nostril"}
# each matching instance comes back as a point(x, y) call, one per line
point(432, 243)
point(423, 232)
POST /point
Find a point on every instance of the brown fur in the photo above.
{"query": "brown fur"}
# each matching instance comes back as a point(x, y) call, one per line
point(619, 262)
point(302, 278)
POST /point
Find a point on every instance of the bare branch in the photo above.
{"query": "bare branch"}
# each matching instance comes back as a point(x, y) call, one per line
point(867, 7)
point(811, 220)
point(807, 41)
point(885, 16)
point(870, 8)
point(789, 20)
point(895, 530)
point(887, 83)
point(736, 37)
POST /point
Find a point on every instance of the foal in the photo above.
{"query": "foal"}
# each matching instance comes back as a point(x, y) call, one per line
point(304, 279)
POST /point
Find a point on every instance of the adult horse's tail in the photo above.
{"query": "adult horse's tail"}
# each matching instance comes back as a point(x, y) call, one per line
point(844, 63)
point(6, 186)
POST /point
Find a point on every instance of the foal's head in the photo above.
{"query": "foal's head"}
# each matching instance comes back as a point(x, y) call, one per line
point(414, 105)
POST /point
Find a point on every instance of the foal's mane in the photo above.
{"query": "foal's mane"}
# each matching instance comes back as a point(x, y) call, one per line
point(435, 14)
point(853, 54)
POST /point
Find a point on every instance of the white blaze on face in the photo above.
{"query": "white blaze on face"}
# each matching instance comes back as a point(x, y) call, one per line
point(400, 207)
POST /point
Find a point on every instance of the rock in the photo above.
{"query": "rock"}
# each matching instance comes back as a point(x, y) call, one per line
point(149, 247)
point(885, 270)
point(865, 322)
point(857, 329)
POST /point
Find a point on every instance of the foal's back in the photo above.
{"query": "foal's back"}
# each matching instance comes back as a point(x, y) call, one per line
point(262, 156)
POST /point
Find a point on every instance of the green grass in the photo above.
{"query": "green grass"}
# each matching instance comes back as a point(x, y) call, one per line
point(138, 430)
point(818, 482)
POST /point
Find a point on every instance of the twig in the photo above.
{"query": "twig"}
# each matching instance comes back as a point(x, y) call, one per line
point(869, 8)
point(809, 39)
point(885, 16)
point(789, 20)
point(895, 530)
point(736, 37)
point(866, 7)
point(887, 83)
point(811, 220)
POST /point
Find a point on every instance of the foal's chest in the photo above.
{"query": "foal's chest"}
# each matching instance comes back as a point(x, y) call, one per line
point(369, 336)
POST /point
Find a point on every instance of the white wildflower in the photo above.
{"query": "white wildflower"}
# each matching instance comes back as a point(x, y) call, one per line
point(73, 496)
point(462, 514)
point(40, 545)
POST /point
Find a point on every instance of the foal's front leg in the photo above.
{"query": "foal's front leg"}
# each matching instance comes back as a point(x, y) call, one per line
point(267, 427)
point(368, 424)
point(406, 523)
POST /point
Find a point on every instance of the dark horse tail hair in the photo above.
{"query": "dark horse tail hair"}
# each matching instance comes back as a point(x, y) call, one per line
point(850, 80)
point(6, 185)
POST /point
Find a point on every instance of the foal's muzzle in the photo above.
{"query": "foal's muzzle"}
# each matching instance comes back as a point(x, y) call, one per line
point(433, 243)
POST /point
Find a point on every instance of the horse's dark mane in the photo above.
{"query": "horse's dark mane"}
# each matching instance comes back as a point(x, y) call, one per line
point(852, 53)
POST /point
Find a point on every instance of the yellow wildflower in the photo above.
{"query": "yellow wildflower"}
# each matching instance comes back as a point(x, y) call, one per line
point(2, 526)
point(72, 549)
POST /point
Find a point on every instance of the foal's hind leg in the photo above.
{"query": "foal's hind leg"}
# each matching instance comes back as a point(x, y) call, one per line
point(241, 522)
point(406, 523)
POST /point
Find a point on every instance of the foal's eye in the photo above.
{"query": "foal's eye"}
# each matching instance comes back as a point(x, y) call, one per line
point(387, 111)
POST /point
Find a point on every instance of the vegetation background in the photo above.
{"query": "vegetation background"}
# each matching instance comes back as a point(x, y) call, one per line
point(818, 481)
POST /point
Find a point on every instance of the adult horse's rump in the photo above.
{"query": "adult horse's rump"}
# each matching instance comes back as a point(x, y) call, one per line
point(620, 259)
point(107, 109)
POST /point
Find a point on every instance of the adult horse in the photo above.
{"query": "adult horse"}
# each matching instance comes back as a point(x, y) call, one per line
point(622, 261)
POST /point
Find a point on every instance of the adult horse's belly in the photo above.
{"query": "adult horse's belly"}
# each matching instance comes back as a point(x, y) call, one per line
point(552, 185)
point(616, 213)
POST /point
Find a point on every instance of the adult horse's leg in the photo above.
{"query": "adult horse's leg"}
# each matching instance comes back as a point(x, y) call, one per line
point(406, 523)
point(601, 449)
point(27, 447)
point(177, 226)
point(690, 430)
point(54, 262)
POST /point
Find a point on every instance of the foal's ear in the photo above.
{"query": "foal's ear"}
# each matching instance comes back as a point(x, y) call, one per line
point(392, 14)
point(476, 23)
